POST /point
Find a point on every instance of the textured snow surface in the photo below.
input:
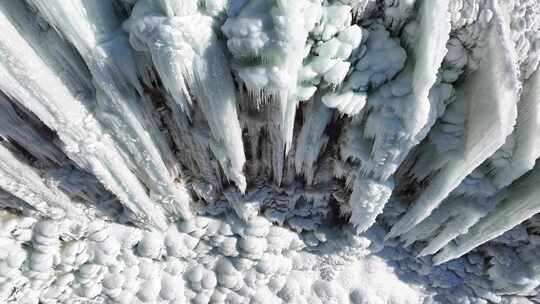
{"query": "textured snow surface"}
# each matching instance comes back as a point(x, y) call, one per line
point(270, 151)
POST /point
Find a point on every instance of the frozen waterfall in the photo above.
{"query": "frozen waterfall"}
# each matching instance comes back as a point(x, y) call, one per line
point(270, 151)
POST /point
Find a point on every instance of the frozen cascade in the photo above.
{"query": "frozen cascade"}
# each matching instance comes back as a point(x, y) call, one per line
point(257, 151)
point(494, 85)
point(23, 182)
point(267, 40)
point(404, 105)
point(78, 130)
point(192, 62)
point(512, 160)
point(95, 32)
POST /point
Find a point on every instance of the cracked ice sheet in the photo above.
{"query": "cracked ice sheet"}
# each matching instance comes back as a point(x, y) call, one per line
point(493, 86)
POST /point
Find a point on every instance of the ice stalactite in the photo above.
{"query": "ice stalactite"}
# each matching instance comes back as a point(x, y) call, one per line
point(400, 112)
point(13, 126)
point(520, 203)
point(267, 41)
point(483, 189)
point(495, 85)
point(9, 201)
point(525, 146)
point(193, 138)
point(53, 102)
point(24, 182)
point(312, 140)
point(38, 146)
point(512, 160)
point(258, 151)
point(95, 31)
point(453, 218)
point(191, 63)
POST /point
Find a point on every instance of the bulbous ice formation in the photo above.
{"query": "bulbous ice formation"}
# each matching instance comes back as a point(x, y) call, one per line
point(269, 151)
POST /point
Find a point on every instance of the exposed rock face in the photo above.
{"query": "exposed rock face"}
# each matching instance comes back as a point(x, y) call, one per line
point(269, 151)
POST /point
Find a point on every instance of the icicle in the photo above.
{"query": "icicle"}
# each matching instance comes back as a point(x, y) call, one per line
point(402, 110)
point(494, 85)
point(93, 28)
point(23, 182)
point(276, 67)
point(190, 60)
point(26, 78)
point(520, 204)
point(14, 127)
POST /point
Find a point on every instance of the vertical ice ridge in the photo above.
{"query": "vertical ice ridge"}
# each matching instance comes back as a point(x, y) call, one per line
point(400, 113)
point(494, 84)
point(525, 150)
point(516, 157)
point(190, 61)
point(14, 127)
point(84, 141)
point(267, 40)
point(95, 31)
point(22, 181)
point(312, 140)
point(520, 203)
point(298, 145)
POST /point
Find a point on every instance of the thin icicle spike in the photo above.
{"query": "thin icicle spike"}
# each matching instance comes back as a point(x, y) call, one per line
point(405, 99)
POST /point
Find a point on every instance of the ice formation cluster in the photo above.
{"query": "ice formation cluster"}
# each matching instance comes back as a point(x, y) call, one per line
point(270, 151)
